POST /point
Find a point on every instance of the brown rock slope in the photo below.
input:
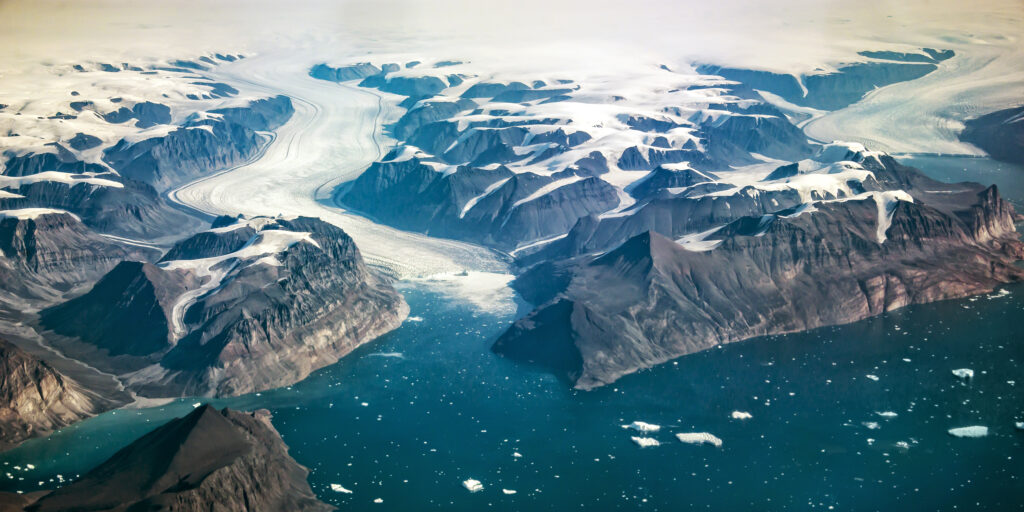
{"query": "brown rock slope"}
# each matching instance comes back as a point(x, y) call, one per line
point(208, 461)
point(650, 299)
point(35, 399)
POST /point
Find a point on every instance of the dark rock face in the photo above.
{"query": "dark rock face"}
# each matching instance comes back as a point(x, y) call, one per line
point(841, 88)
point(207, 461)
point(452, 176)
point(799, 271)
point(139, 324)
point(44, 256)
point(345, 73)
point(35, 399)
point(200, 145)
point(134, 210)
point(495, 207)
point(1000, 134)
point(237, 310)
point(146, 113)
point(35, 163)
point(83, 141)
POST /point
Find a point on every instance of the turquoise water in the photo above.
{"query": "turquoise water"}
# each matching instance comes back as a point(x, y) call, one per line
point(410, 429)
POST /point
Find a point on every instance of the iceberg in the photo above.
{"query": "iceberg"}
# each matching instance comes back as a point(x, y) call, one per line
point(472, 485)
point(740, 415)
point(339, 488)
point(508, 491)
point(972, 431)
point(641, 426)
point(964, 373)
point(699, 438)
point(645, 442)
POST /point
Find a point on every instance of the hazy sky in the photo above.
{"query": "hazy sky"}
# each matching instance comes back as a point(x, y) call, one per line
point(783, 33)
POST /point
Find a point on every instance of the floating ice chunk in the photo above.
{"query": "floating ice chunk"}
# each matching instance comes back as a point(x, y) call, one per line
point(641, 426)
point(1019, 425)
point(196, 405)
point(964, 373)
point(378, 500)
point(645, 442)
point(740, 415)
point(414, 319)
point(872, 377)
point(699, 438)
point(29, 466)
point(903, 444)
point(339, 488)
point(508, 491)
point(871, 425)
point(517, 454)
point(972, 431)
point(887, 414)
point(473, 485)
point(396, 355)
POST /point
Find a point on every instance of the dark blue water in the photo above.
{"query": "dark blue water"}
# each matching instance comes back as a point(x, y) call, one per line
point(410, 429)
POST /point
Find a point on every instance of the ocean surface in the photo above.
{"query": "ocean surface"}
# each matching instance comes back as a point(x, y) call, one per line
point(410, 416)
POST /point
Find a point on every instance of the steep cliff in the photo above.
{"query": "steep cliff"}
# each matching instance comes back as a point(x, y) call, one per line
point(35, 399)
point(220, 139)
point(827, 263)
point(239, 308)
point(1000, 134)
point(48, 252)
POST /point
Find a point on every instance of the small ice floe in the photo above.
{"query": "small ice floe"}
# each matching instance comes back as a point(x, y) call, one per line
point(29, 466)
point(872, 377)
point(473, 485)
point(903, 444)
point(339, 488)
point(508, 491)
point(642, 426)
point(699, 438)
point(645, 442)
point(887, 414)
point(517, 455)
point(196, 405)
point(414, 319)
point(972, 431)
point(378, 500)
point(740, 415)
point(871, 441)
point(964, 373)
point(871, 425)
point(1019, 425)
point(398, 355)
point(1001, 293)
